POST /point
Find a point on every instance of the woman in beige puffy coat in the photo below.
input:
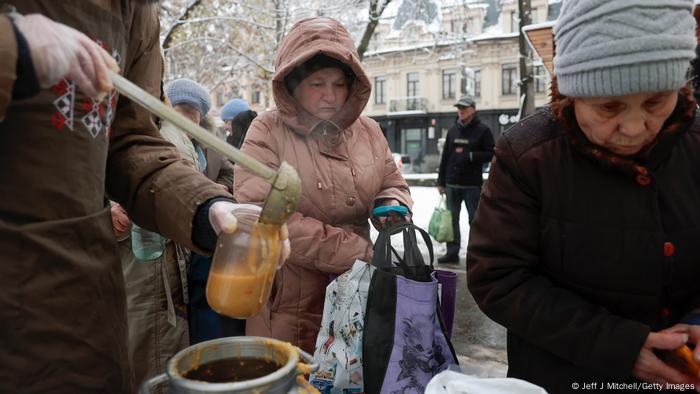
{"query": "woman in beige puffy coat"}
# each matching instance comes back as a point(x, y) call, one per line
point(344, 163)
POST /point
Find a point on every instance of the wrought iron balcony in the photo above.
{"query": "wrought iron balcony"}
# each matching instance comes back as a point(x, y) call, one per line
point(405, 104)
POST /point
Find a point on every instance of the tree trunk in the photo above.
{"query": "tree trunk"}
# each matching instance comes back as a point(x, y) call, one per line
point(366, 37)
point(185, 15)
point(375, 11)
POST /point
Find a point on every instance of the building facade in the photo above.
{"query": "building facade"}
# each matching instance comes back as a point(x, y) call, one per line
point(415, 84)
point(418, 71)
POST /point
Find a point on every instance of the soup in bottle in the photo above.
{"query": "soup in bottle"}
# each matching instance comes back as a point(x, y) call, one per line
point(243, 270)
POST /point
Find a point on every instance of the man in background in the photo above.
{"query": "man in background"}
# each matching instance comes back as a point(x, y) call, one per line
point(468, 146)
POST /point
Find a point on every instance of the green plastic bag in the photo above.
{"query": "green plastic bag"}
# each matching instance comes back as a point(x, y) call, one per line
point(440, 226)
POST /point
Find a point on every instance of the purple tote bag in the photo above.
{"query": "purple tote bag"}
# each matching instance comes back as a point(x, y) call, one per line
point(405, 342)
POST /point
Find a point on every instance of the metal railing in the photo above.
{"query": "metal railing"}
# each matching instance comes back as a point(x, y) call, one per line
point(415, 103)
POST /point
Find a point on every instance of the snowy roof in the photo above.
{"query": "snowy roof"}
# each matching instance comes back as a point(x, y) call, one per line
point(408, 47)
point(541, 25)
point(425, 13)
point(441, 43)
point(468, 3)
point(426, 16)
point(493, 36)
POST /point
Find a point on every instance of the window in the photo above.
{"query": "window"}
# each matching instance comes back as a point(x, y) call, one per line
point(471, 26)
point(456, 26)
point(412, 81)
point(509, 74)
point(514, 22)
point(255, 96)
point(379, 90)
point(477, 83)
point(449, 84)
point(540, 79)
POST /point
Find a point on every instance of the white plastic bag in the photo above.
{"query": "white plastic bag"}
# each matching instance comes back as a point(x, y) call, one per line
point(450, 382)
point(339, 342)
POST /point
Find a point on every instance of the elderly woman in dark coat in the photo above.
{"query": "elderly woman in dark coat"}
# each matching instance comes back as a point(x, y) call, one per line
point(585, 245)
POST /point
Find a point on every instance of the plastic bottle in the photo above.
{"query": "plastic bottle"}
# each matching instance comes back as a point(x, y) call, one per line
point(145, 244)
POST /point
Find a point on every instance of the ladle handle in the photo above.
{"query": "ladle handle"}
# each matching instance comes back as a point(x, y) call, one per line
point(153, 105)
point(154, 381)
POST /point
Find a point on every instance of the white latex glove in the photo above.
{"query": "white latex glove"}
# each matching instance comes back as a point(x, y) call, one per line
point(60, 51)
point(228, 217)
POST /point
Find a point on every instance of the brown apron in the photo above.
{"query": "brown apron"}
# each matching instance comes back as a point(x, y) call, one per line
point(62, 300)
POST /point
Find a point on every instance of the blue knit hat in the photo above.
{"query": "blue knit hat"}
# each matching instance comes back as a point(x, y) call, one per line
point(233, 108)
point(614, 48)
point(185, 91)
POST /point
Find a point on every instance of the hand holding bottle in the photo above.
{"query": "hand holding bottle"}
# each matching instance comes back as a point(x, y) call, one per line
point(228, 217)
point(245, 260)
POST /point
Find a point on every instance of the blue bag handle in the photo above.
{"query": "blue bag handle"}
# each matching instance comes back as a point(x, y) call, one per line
point(385, 210)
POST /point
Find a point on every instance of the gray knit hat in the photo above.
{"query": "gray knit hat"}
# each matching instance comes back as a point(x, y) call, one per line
point(617, 47)
point(185, 91)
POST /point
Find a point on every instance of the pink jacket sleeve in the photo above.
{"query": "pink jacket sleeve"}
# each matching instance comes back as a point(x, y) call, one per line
point(315, 245)
point(393, 184)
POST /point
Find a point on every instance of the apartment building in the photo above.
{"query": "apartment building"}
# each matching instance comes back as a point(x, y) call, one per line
point(417, 75)
point(418, 71)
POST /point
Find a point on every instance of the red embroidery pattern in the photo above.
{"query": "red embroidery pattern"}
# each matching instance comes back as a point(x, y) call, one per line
point(98, 115)
point(65, 104)
point(58, 121)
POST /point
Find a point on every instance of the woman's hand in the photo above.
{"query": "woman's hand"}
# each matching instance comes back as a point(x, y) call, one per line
point(650, 368)
point(393, 218)
point(694, 334)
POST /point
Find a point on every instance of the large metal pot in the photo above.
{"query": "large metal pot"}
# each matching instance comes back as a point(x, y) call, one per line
point(294, 361)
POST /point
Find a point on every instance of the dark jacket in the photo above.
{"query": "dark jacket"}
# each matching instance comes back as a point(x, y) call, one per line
point(579, 258)
point(466, 150)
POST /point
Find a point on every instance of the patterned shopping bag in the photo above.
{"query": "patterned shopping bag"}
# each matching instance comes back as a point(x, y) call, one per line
point(339, 342)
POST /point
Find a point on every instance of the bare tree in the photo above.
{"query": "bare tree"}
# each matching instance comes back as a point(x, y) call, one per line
point(186, 13)
point(231, 45)
point(376, 9)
